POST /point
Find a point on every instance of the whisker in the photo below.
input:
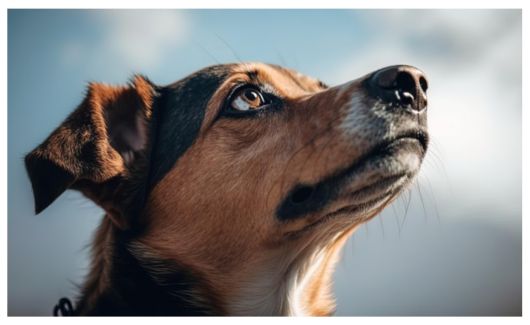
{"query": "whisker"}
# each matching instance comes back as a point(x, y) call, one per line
point(406, 209)
point(433, 200)
point(229, 47)
point(436, 162)
point(438, 157)
point(281, 58)
point(403, 201)
point(396, 218)
point(380, 217)
point(205, 50)
point(421, 199)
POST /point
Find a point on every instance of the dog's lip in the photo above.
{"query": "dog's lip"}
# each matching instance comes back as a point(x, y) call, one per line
point(366, 197)
point(414, 134)
point(350, 210)
point(384, 184)
point(358, 208)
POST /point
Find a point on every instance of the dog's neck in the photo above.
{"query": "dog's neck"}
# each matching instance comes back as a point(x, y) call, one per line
point(127, 279)
point(301, 289)
point(294, 287)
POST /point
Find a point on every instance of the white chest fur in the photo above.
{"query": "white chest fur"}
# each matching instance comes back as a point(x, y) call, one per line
point(280, 290)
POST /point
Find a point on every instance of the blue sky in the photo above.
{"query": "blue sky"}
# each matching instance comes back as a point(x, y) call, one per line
point(457, 252)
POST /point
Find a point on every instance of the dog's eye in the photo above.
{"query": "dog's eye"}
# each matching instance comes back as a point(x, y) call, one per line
point(246, 99)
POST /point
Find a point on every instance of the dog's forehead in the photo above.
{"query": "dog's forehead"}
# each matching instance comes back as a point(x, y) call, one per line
point(288, 82)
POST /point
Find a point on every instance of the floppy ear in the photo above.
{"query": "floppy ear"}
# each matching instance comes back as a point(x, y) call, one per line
point(95, 145)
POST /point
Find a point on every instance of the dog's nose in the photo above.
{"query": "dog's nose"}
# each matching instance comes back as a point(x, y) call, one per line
point(400, 85)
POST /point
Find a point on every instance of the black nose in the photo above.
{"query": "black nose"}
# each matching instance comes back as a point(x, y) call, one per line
point(400, 85)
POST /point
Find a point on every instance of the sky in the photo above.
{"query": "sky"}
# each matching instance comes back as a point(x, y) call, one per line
point(456, 249)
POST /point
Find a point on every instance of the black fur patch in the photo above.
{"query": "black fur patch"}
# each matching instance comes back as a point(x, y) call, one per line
point(135, 290)
point(47, 180)
point(178, 116)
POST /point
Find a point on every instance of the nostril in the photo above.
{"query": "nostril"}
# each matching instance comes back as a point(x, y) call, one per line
point(405, 83)
point(423, 84)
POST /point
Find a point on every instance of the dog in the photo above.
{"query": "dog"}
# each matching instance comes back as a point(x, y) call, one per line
point(233, 190)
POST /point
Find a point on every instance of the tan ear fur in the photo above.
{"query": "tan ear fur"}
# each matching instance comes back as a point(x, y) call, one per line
point(95, 143)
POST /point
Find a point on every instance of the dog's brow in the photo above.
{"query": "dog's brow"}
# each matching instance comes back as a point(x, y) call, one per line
point(296, 81)
point(322, 84)
point(253, 75)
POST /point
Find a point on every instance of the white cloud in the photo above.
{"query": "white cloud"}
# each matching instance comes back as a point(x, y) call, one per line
point(135, 39)
point(142, 37)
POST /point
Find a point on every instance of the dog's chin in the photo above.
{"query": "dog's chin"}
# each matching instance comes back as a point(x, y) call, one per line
point(380, 179)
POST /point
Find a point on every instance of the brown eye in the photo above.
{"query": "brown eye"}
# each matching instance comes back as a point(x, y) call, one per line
point(247, 99)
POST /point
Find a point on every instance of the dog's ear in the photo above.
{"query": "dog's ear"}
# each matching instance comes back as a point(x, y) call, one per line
point(95, 145)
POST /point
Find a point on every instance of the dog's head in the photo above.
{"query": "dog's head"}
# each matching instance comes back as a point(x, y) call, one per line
point(239, 166)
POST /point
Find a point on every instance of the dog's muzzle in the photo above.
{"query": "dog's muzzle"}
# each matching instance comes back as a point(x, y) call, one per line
point(383, 118)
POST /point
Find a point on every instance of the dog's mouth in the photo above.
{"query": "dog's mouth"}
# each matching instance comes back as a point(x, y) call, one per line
point(417, 136)
point(365, 186)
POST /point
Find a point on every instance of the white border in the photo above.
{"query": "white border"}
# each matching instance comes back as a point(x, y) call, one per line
point(265, 4)
point(258, 4)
